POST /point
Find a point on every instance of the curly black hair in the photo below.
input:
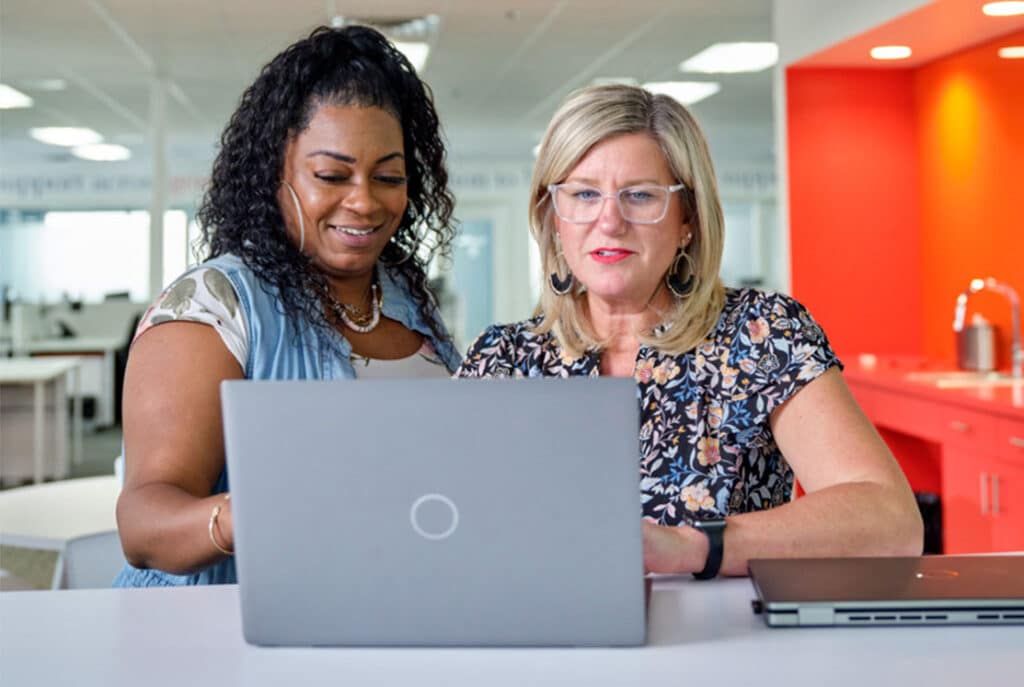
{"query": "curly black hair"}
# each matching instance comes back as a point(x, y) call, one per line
point(354, 65)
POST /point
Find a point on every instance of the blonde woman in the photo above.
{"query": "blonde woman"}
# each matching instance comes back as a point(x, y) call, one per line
point(739, 389)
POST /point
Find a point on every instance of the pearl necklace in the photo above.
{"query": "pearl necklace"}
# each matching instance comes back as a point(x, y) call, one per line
point(354, 318)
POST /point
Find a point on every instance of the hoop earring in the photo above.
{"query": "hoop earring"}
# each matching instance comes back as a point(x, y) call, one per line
point(415, 246)
point(679, 288)
point(298, 211)
point(560, 286)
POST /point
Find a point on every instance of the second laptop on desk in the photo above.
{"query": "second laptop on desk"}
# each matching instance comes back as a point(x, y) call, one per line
point(437, 512)
point(926, 590)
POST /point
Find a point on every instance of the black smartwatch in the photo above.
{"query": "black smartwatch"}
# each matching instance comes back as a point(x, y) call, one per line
point(714, 529)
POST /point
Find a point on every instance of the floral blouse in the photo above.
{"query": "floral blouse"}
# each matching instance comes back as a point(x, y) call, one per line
point(706, 446)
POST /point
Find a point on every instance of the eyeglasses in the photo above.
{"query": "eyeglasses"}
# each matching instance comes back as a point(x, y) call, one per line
point(582, 204)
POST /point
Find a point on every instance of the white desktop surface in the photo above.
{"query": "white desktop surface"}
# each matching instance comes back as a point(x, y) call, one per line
point(701, 634)
point(76, 344)
point(47, 515)
point(30, 370)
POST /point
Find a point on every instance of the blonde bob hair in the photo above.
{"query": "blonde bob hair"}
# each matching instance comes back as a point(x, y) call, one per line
point(588, 117)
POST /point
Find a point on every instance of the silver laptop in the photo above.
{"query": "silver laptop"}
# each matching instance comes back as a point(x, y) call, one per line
point(437, 512)
point(927, 590)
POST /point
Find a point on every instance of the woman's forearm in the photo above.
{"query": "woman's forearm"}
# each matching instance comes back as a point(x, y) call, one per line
point(165, 527)
point(850, 519)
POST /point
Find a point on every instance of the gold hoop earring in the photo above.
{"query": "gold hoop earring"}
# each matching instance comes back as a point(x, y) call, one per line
point(679, 288)
point(298, 211)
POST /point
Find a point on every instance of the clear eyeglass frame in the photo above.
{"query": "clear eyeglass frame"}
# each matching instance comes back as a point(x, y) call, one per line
point(553, 190)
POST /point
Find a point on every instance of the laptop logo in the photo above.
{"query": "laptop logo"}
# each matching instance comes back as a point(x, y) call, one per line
point(936, 574)
point(434, 516)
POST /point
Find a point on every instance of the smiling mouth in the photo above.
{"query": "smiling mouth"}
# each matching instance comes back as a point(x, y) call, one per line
point(354, 231)
point(611, 253)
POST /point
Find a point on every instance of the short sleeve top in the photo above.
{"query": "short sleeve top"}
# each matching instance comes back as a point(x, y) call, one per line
point(206, 296)
point(706, 444)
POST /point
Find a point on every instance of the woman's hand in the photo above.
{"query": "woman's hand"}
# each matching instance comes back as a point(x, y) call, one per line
point(673, 549)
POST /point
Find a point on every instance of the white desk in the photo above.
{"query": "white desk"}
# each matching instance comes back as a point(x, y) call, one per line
point(700, 634)
point(101, 348)
point(57, 516)
point(39, 374)
point(47, 515)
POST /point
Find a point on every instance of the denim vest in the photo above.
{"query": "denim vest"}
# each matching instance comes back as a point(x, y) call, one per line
point(279, 349)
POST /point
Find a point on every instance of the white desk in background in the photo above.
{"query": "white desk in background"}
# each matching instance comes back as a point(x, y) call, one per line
point(41, 374)
point(47, 515)
point(100, 349)
point(701, 633)
point(58, 516)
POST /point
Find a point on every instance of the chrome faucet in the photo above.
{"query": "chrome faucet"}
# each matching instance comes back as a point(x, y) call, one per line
point(991, 284)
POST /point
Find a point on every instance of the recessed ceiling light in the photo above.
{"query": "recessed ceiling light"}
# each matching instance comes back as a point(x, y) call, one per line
point(415, 52)
point(102, 152)
point(64, 135)
point(12, 98)
point(1012, 52)
point(891, 52)
point(686, 92)
point(1003, 9)
point(732, 58)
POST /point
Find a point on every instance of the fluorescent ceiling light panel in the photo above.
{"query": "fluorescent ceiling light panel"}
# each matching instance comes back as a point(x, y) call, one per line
point(615, 81)
point(102, 152)
point(891, 52)
point(732, 58)
point(686, 92)
point(1003, 9)
point(12, 98)
point(1012, 52)
point(415, 52)
point(64, 135)
point(45, 84)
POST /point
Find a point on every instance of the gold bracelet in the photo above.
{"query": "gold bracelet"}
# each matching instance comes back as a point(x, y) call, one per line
point(213, 525)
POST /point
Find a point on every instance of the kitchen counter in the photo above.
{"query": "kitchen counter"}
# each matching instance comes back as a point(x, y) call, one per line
point(891, 373)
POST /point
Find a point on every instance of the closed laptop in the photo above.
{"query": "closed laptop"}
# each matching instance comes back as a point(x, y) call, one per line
point(437, 512)
point(925, 590)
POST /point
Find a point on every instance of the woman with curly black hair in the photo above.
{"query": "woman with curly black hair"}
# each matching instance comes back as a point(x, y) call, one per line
point(328, 198)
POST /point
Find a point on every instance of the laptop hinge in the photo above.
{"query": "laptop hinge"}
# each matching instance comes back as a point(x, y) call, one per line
point(820, 615)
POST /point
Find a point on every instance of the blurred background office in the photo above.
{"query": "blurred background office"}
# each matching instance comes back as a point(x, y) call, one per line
point(113, 108)
point(110, 111)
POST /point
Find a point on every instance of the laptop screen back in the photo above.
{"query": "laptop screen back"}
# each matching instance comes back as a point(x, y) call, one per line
point(437, 512)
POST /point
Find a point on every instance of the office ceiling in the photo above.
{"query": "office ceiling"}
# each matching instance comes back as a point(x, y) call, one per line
point(933, 30)
point(498, 69)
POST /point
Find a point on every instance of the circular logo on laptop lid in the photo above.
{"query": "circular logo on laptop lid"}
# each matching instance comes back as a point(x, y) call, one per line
point(434, 516)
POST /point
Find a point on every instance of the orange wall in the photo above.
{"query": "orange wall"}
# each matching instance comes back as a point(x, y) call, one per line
point(904, 185)
point(971, 149)
point(854, 226)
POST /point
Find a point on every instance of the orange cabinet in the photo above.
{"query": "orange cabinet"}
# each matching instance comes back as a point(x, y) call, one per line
point(1007, 487)
point(966, 501)
point(981, 465)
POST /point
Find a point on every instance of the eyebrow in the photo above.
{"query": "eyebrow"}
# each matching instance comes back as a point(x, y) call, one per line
point(633, 182)
point(351, 160)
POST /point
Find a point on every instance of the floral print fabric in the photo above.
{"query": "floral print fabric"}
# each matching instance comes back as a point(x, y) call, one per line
point(206, 296)
point(706, 445)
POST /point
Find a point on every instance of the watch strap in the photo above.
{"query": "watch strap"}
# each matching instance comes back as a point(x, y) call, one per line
point(714, 532)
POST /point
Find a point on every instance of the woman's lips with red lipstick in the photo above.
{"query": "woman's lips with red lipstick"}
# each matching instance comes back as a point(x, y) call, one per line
point(610, 255)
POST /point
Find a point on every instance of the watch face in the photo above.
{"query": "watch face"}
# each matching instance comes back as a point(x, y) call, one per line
point(709, 524)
